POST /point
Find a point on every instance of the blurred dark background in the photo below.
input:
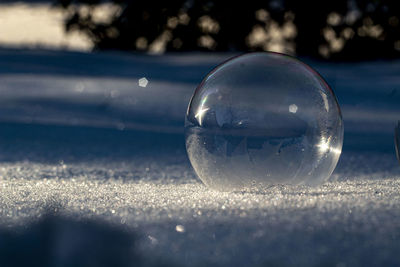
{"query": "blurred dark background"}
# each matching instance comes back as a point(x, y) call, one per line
point(335, 30)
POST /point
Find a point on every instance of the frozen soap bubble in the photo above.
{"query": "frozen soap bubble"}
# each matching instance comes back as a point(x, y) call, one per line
point(263, 119)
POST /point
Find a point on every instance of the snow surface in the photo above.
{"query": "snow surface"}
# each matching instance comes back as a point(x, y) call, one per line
point(94, 171)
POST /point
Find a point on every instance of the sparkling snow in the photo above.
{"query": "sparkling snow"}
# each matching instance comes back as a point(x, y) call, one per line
point(75, 182)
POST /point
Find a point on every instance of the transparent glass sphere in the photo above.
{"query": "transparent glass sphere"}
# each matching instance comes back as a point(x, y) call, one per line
point(263, 119)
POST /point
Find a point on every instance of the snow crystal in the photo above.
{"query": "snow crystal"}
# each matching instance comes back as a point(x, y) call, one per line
point(143, 82)
point(293, 108)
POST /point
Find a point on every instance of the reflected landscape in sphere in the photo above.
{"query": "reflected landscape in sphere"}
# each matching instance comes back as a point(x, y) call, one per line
point(263, 119)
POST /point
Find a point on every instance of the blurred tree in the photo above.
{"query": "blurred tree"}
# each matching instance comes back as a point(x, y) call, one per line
point(341, 29)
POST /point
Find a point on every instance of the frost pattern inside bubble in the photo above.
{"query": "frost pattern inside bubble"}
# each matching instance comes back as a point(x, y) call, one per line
point(263, 119)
